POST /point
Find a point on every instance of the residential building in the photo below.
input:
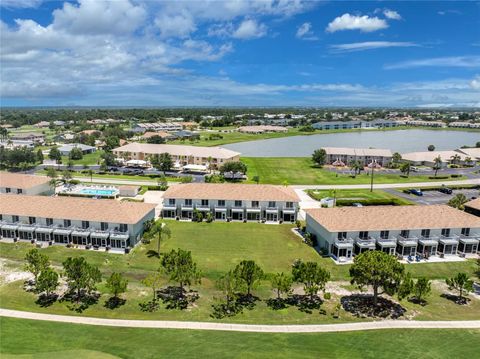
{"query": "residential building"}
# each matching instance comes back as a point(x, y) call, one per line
point(66, 149)
point(427, 158)
point(343, 156)
point(165, 135)
point(262, 129)
point(473, 153)
point(157, 126)
point(182, 155)
point(22, 184)
point(473, 207)
point(403, 230)
point(464, 124)
point(226, 201)
point(79, 221)
point(337, 125)
point(29, 136)
point(10, 144)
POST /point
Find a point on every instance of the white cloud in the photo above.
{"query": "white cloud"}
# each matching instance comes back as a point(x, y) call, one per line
point(368, 45)
point(305, 32)
point(20, 4)
point(99, 17)
point(250, 29)
point(392, 14)
point(475, 83)
point(179, 25)
point(454, 61)
point(352, 22)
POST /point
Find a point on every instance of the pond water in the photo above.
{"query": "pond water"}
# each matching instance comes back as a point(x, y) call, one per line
point(401, 141)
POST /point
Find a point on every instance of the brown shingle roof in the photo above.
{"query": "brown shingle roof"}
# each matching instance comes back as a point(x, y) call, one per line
point(20, 180)
point(378, 218)
point(475, 204)
point(104, 210)
point(229, 191)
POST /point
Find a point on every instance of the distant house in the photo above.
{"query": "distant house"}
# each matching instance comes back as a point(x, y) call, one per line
point(337, 125)
point(262, 129)
point(162, 134)
point(366, 156)
point(22, 184)
point(42, 124)
point(29, 136)
point(66, 149)
point(427, 158)
point(16, 143)
point(186, 134)
point(59, 123)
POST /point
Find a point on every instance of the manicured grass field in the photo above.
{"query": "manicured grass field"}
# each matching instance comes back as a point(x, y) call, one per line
point(217, 248)
point(22, 339)
point(358, 194)
point(300, 170)
point(88, 159)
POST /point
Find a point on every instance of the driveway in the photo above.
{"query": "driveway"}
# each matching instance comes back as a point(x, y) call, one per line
point(434, 197)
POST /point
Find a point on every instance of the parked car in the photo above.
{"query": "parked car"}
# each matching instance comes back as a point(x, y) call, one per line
point(445, 190)
point(356, 204)
point(416, 192)
point(414, 169)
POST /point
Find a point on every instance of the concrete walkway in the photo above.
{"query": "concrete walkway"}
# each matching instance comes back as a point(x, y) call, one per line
point(308, 328)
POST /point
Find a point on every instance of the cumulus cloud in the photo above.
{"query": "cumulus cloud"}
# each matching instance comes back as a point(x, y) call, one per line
point(353, 22)
point(391, 14)
point(369, 45)
point(475, 83)
point(250, 29)
point(178, 25)
point(452, 61)
point(305, 32)
point(20, 4)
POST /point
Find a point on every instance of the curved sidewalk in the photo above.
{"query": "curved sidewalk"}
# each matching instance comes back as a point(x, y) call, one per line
point(308, 328)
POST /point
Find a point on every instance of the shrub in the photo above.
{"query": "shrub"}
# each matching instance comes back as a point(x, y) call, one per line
point(327, 296)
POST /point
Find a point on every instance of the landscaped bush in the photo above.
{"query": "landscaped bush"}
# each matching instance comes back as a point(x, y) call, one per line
point(370, 202)
point(438, 177)
point(455, 175)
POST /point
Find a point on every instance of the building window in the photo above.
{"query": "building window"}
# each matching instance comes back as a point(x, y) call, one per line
point(405, 233)
point(221, 202)
point(466, 231)
point(446, 232)
point(425, 233)
point(384, 234)
point(49, 221)
point(1, 217)
point(8, 190)
point(271, 204)
point(204, 202)
point(123, 227)
point(255, 204)
point(31, 220)
point(188, 202)
point(67, 223)
point(85, 224)
point(19, 191)
point(171, 201)
point(289, 205)
point(103, 226)
point(341, 235)
point(363, 234)
point(15, 219)
point(238, 203)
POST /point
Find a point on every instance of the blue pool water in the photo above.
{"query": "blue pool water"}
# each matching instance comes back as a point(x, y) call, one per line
point(98, 192)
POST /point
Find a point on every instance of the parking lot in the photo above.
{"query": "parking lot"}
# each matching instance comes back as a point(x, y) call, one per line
point(435, 197)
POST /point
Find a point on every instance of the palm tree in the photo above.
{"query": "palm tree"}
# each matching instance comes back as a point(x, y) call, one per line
point(405, 168)
point(455, 159)
point(3, 133)
point(159, 230)
point(356, 166)
point(90, 173)
point(468, 160)
point(437, 164)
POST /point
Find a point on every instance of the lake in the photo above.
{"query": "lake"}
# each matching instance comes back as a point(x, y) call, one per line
point(401, 141)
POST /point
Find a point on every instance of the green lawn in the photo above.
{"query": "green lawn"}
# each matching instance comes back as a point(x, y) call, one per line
point(300, 170)
point(88, 159)
point(22, 339)
point(218, 247)
point(360, 195)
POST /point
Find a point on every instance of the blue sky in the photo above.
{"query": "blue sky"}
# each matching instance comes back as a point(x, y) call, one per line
point(240, 53)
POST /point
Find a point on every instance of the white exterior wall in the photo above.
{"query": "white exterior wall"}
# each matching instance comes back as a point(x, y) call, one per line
point(41, 189)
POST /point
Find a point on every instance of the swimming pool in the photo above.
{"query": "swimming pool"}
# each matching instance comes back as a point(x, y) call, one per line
point(98, 192)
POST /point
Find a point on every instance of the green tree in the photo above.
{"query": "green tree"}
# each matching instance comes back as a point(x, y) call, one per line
point(55, 154)
point(256, 179)
point(90, 173)
point(281, 283)
point(229, 285)
point(396, 158)
point(36, 262)
point(47, 281)
point(75, 154)
point(319, 157)
point(455, 159)
point(116, 284)
point(154, 281)
point(249, 274)
point(66, 176)
point(311, 275)
point(461, 283)
point(81, 276)
point(40, 157)
point(405, 168)
point(160, 231)
point(458, 201)
point(233, 166)
point(378, 270)
point(162, 162)
point(180, 267)
point(356, 167)
point(422, 289)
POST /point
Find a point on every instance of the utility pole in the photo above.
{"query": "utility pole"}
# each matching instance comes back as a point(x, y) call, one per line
point(371, 179)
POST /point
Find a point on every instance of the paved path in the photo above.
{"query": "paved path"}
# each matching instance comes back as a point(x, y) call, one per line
point(475, 181)
point(310, 328)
